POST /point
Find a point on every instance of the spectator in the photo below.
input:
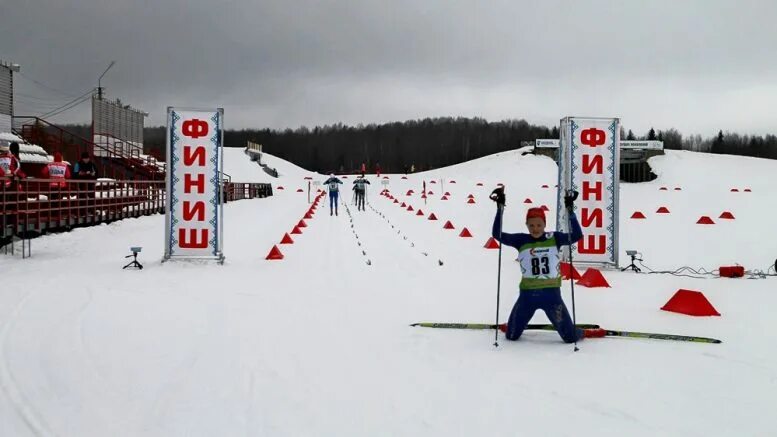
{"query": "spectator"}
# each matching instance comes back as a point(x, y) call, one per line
point(10, 166)
point(58, 172)
point(85, 170)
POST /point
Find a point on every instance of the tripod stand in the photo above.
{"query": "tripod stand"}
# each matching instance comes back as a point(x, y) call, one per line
point(632, 266)
point(134, 262)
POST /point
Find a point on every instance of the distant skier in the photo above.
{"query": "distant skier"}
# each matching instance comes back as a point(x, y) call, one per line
point(360, 189)
point(334, 192)
point(539, 255)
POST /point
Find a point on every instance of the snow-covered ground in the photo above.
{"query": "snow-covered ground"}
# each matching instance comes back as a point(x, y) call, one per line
point(317, 344)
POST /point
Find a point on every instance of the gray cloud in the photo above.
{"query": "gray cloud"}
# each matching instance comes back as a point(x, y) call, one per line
point(695, 65)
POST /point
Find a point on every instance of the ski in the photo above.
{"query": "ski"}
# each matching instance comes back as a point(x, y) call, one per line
point(655, 336)
point(540, 326)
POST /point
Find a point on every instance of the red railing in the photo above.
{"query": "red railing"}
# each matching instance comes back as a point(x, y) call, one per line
point(36, 205)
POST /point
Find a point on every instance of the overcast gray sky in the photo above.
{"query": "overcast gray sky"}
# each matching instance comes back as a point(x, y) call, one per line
point(697, 66)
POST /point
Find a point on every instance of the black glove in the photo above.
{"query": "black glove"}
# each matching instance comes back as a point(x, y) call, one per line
point(498, 196)
point(569, 199)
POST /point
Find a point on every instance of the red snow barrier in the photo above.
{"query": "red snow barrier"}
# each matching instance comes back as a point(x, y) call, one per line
point(432, 216)
point(448, 225)
point(638, 215)
point(302, 224)
point(287, 239)
point(662, 210)
point(568, 270)
point(491, 243)
point(471, 201)
point(308, 215)
point(296, 230)
point(727, 215)
point(690, 302)
point(274, 254)
point(705, 220)
point(465, 233)
point(593, 278)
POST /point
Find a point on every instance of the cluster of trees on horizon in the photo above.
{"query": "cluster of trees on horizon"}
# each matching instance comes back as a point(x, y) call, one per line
point(433, 142)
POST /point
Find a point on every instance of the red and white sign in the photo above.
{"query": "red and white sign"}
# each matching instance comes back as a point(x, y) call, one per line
point(589, 162)
point(194, 213)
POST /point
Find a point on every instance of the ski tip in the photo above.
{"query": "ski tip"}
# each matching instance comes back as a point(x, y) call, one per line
point(414, 324)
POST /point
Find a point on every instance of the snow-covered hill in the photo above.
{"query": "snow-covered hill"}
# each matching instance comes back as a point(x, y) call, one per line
point(318, 343)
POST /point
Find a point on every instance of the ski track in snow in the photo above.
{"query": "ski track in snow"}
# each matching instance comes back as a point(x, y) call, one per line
point(10, 385)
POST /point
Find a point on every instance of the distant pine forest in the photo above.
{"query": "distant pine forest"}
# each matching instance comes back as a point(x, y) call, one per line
point(433, 142)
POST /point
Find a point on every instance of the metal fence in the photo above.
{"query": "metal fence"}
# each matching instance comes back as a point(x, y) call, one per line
point(31, 207)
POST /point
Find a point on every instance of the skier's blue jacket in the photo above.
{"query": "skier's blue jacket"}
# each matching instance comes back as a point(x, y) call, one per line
point(540, 291)
point(332, 184)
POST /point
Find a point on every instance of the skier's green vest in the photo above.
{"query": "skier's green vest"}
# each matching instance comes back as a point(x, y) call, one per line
point(540, 264)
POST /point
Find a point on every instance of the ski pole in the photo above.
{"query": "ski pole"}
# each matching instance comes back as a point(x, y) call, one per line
point(498, 278)
point(571, 276)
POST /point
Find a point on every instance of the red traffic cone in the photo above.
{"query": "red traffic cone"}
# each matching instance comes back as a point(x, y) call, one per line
point(447, 193)
point(470, 196)
point(491, 243)
point(678, 189)
point(663, 189)
point(432, 216)
point(479, 184)
point(545, 186)
point(409, 193)
point(410, 208)
point(420, 212)
point(471, 201)
point(527, 200)
point(568, 270)
point(727, 215)
point(748, 190)
point(638, 215)
point(300, 190)
point(453, 182)
point(444, 198)
point(433, 182)
point(705, 220)
point(308, 215)
point(302, 224)
point(448, 225)
point(274, 254)
point(692, 303)
point(404, 177)
point(430, 192)
point(465, 233)
point(396, 201)
point(662, 210)
point(287, 239)
point(279, 187)
point(296, 231)
point(592, 278)
point(403, 205)
point(734, 190)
